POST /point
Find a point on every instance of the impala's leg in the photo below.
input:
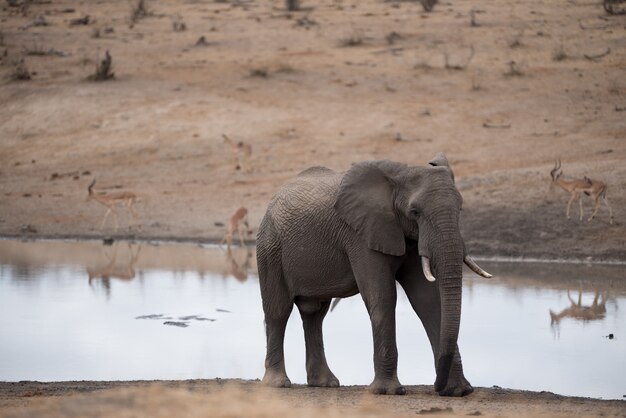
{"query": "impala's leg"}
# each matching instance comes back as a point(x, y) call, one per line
point(241, 239)
point(228, 238)
point(134, 214)
point(606, 201)
point(115, 218)
point(571, 199)
point(595, 208)
point(580, 207)
point(106, 215)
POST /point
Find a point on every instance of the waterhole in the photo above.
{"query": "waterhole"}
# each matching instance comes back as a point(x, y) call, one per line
point(130, 311)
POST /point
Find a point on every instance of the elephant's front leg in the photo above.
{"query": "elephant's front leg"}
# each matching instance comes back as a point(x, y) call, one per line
point(318, 372)
point(378, 290)
point(425, 300)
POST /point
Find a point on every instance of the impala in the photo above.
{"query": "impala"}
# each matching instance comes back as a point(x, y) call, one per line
point(111, 201)
point(576, 187)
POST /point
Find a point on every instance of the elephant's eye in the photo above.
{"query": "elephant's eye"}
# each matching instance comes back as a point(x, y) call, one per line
point(414, 212)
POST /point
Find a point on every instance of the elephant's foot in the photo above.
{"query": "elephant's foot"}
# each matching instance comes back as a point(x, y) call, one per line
point(276, 379)
point(457, 387)
point(387, 387)
point(329, 381)
point(326, 380)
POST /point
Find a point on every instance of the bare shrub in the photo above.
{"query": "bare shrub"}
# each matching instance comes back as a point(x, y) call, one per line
point(305, 22)
point(260, 72)
point(293, 5)
point(428, 5)
point(458, 67)
point(103, 70)
point(612, 8)
point(392, 37)
point(476, 86)
point(516, 40)
point(201, 41)
point(20, 72)
point(473, 22)
point(178, 24)
point(351, 41)
point(559, 53)
point(514, 70)
point(139, 11)
point(80, 21)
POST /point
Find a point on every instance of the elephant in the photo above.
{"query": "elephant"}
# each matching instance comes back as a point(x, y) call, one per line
point(328, 235)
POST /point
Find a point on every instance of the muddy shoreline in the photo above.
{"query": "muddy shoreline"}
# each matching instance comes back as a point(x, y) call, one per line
point(534, 257)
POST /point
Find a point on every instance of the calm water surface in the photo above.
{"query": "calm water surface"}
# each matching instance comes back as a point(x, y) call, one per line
point(84, 311)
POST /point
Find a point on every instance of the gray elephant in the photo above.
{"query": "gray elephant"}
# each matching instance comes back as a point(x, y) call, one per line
point(331, 235)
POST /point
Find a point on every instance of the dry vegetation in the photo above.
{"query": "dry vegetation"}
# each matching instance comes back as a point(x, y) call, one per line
point(503, 87)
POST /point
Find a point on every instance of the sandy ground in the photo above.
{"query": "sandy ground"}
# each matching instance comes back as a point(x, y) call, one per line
point(228, 398)
point(502, 87)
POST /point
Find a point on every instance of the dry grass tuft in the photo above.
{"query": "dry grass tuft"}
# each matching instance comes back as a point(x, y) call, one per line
point(20, 72)
point(103, 70)
point(514, 70)
point(351, 41)
point(559, 53)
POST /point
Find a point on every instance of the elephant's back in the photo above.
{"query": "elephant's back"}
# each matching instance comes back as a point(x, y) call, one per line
point(308, 196)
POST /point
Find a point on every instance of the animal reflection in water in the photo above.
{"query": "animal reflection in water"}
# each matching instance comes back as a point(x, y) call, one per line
point(115, 270)
point(578, 311)
point(238, 262)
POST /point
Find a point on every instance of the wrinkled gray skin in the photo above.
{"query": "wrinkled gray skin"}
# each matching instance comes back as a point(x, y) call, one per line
point(331, 235)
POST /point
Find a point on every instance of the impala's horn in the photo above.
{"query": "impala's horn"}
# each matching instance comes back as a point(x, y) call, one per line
point(91, 186)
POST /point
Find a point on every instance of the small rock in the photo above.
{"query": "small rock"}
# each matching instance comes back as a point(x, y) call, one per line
point(434, 410)
point(176, 324)
point(151, 316)
point(27, 228)
point(202, 41)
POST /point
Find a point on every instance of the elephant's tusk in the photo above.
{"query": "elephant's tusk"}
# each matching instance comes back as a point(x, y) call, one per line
point(475, 267)
point(426, 268)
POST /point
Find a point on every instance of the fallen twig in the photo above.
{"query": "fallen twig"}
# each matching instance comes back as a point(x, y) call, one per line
point(583, 27)
point(496, 126)
point(620, 108)
point(598, 56)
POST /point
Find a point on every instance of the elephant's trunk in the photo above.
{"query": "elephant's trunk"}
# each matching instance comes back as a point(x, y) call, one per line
point(449, 271)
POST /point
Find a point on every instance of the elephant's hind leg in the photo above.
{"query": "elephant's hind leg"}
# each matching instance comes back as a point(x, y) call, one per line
point(317, 370)
point(277, 306)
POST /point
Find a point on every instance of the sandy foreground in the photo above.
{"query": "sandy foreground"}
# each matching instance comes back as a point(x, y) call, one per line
point(238, 398)
point(502, 87)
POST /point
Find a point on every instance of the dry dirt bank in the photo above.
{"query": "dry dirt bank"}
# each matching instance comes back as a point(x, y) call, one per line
point(339, 82)
point(227, 398)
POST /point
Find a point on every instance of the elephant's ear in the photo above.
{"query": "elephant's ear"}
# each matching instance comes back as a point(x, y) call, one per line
point(440, 160)
point(365, 202)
